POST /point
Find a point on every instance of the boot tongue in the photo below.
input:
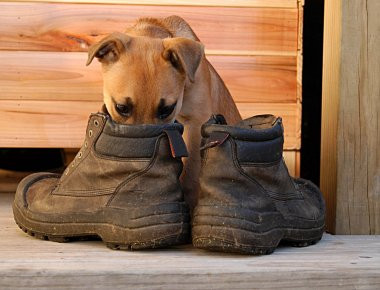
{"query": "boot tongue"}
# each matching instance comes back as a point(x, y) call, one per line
point(104, 110)
point(216, 119)
point(258, 122)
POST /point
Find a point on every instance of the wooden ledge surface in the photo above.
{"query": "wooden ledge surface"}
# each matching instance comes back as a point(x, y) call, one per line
point(337, 261)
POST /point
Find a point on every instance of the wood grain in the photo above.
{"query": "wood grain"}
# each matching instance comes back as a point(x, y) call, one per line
point(298, 124)
point(330, 106)
point(250, 52)
point(292, 162)
point(348, 262)
point(48, 92)
point(64, 76)
point(358, 160)
point(225, 3)
point(259, 79)
point(300, 51)
point(62, 124)
point(73, 27)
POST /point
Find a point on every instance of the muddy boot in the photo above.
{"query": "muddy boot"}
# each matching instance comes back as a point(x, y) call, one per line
point(123, 186)
point(248, 202)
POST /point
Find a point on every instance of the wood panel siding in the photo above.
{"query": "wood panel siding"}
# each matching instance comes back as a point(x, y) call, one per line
point(217, 3)
point(73, 27)
point(48, 92)
point(62, 123)
point(64, 76)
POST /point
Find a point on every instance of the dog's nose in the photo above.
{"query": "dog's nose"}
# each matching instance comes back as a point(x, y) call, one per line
point(164, 111)
point(125, 109)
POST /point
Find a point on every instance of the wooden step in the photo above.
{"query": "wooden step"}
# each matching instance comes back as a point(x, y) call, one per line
point(337, 261)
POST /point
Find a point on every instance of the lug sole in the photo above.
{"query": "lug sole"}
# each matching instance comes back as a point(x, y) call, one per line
point(225, 235)
point(161, 235)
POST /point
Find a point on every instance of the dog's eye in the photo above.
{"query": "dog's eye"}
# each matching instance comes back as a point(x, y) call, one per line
point(124, 110)
point(165, 111)
point(173, 58)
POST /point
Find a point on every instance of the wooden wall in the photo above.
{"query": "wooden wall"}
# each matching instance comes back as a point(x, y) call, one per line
point(350, 164)
point(47, 92)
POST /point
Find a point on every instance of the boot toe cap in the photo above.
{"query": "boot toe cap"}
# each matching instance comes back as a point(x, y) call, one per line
point(24, 196)
point(313, 197)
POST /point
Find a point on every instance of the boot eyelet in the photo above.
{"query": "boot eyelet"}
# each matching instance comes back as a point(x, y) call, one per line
point(67, 171)
point(90, 133)
point(85, 144)
point(96, 123)
point(80, 155)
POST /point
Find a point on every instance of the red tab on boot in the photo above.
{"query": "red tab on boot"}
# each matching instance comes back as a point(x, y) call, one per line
point(215, 139)
point(177, 145)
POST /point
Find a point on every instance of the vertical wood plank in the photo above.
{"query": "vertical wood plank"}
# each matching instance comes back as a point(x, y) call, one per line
point(297, 165)
point(330, 102)
point(291, 162)
point(358, 179)
point(297, 162)
point(373, 121)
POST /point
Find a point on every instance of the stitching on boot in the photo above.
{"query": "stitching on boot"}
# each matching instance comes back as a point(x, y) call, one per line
point(240, 170)
point(257, 164)
point(138, 173)
point(84, 193)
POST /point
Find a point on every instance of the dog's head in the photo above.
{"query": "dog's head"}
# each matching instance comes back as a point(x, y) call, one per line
point(144, 78)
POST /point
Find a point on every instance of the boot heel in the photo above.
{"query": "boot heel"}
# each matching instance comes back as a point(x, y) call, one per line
point(162, 236)
point(236, 240)
point(303, 237)
point(156, 226)
point(234, 229)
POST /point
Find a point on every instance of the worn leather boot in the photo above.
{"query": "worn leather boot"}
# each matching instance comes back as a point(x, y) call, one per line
point(248, 202)
point(123, 186)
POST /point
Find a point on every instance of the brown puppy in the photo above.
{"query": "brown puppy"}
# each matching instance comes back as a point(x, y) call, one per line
point(156, 72)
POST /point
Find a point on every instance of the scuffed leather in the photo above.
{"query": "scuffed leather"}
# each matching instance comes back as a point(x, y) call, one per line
point(100, 178)
point(158, 183)
point(224, 183)
point(247, 170)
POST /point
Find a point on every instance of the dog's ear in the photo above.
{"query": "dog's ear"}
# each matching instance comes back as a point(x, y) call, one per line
point(109, 48)
point(184, 54)
point(179, 27)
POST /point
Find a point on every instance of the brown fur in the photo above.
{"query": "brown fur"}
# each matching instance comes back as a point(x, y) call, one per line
point(136, 64)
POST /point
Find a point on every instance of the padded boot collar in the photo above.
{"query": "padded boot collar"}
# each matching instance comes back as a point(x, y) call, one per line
point(134, 131)
point(133, 140)
point(139, 131)
point(257, 128)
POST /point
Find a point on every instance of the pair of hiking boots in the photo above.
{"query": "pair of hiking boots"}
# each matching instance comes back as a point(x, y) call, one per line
point(123, 186)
